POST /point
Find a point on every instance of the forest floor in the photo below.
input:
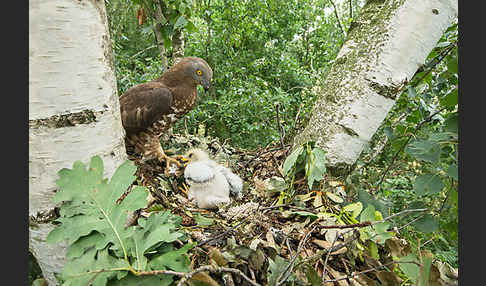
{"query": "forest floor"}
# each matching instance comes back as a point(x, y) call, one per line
point(261, 240)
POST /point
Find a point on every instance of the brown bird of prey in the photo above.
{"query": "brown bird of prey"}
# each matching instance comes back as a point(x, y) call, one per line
point(149, 109)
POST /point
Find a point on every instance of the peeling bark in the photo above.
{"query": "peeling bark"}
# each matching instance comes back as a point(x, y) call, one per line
point(385, 46)
point(74, 110)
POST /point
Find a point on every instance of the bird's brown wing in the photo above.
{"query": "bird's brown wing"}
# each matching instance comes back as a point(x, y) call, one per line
point(144, 104)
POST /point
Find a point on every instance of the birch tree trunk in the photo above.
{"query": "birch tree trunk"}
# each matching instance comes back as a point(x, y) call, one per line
point(177, 46)
point(159, 16)
point(74, 111)
point(385, 46)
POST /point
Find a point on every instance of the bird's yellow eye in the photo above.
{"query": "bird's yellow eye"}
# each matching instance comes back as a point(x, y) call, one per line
point(199, 72)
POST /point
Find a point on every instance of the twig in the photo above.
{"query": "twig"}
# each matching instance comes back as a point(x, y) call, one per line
point(320, 253)
point(290, 266)
point(327, 256)
point(412, 221)
point(447, 196)
point(290, 207)
point(144, 50)
point(224, 233)
point(280, 130)
point(417, 128)
point(442, 55)
point(362, 224)
point(350, 9)
point(399, 213)
point(187, 275)
point(227, 231)
point(370, 270)
point(298, 114)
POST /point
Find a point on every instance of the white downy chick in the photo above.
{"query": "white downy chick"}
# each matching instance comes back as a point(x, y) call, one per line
point(210, 183)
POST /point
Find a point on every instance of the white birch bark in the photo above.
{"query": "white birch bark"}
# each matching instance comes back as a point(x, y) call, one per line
point(73, 108)
point(386, 45)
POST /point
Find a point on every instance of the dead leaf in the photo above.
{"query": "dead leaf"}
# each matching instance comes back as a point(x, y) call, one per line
point(327, 245)
point(362, 280)
point(388, 278)
point(259, 185)
point(397, 247)
point(336, 274)
point(271, 241)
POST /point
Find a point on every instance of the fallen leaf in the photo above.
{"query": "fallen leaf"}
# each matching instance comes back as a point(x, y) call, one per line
point(335, 198)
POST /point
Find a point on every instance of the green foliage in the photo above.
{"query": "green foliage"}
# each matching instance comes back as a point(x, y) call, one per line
point(276, 269)
point(101, 249)
point(274, 51)
point(424, 172)
point(261, 53)
point(308, 159)
point(377, 233)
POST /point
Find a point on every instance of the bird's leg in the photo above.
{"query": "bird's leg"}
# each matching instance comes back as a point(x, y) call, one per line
point(185, 190)
point(169, 160)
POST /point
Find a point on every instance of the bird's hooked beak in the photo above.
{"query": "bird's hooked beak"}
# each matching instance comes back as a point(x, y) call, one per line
point(206, 84)
point(185, 161)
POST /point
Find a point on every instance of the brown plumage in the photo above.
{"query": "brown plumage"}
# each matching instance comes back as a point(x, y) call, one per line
point(149, 109)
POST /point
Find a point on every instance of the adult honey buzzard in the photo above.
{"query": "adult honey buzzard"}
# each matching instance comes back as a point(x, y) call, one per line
point(149, 109)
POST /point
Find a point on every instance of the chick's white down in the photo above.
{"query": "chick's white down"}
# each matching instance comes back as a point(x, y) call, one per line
point(210, 183)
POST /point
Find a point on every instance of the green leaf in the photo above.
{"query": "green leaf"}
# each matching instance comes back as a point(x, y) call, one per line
point(411, 92)
point(450, 100)
point(452, 64)
point(275, 269)
point(166, 36)
point(182, 8)
point(378, 232)
point(373, 248)
point(81, 245)
point(366, 199)
point(158, 228)
point(191, 27)
point(203, 221)
point(39, 282)
point(425, 270)
point(291, 159)
point(411, 270)
point(176, 260)
point(453, 172)
point(152, 280)
point(180, 23)
point(312, 276)
point(335, 198)
point(317, 166)
point(451, 124)
point(427, 224)
point(389, 132)
point(307, 214)
point(76, 272)
point(424, 150)
point(428, 184)
point(354, 208)
point(95, 201)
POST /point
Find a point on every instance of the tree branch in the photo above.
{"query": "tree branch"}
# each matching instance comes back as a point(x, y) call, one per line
point(337, 17)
